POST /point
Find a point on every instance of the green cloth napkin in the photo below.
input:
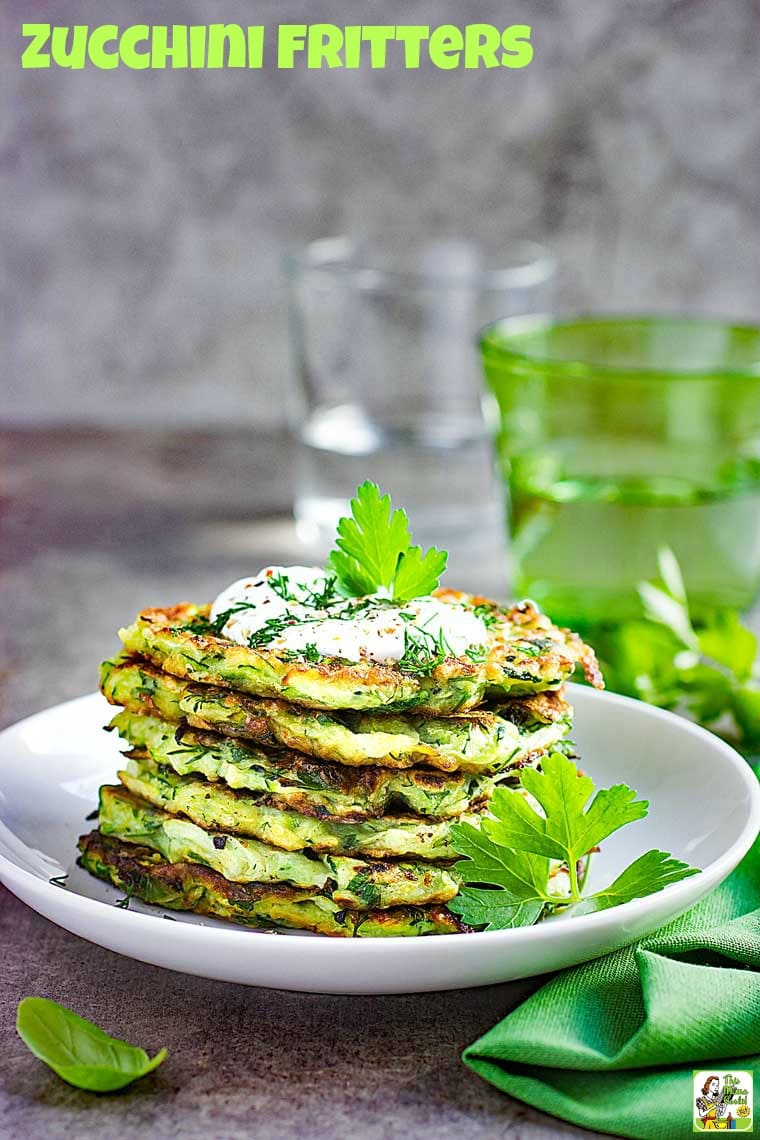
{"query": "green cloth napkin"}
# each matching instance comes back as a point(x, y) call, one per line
point(611, 1045)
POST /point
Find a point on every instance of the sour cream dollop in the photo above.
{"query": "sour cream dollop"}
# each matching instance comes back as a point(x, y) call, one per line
point(294, 608)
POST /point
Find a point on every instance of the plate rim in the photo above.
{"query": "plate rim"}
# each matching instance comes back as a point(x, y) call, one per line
point(714, 873)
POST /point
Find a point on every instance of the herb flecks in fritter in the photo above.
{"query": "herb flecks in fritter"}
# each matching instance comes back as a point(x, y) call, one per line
point(296, 782)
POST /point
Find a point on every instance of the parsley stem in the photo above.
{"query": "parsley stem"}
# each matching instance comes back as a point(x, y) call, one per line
point(575, 892)
point(584, 873)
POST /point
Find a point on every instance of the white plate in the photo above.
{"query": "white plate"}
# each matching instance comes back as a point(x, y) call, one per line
point(705, 808)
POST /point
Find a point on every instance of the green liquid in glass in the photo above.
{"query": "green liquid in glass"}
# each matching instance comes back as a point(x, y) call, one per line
point(606, 462)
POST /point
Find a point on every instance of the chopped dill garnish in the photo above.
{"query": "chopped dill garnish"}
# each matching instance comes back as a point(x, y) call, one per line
point(309, 653)
point(199, 625)
point(423, 652)
point(488, 613)
point(318, 597)
point(271, 629)
point(322, 597)
point(280, 583)
point(220, 621)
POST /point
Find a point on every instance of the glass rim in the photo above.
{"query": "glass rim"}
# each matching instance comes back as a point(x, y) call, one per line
point(581, 366)
point(378, 272)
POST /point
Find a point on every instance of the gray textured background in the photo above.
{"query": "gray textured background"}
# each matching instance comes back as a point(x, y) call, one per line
point(145, 213)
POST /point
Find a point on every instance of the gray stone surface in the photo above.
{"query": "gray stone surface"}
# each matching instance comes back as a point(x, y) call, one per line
point(145, 213)
point(94, 526)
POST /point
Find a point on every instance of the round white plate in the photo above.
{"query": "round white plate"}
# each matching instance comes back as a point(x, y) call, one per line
point(705, 809)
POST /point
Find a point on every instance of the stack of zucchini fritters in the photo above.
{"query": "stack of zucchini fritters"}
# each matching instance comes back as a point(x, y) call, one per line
point(278, 792)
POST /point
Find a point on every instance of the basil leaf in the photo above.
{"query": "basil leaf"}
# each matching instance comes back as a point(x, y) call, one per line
point(78, 1051)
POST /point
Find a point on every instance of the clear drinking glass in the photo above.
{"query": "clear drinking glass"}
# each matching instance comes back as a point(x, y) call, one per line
point(389, 387)
point(620, 435)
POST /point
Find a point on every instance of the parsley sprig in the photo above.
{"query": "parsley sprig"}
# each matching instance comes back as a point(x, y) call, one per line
point(375, 553)
point(507, 859)
point(710, 670)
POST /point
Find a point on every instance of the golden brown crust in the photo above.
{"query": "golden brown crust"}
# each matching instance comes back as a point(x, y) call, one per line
point(549, 706)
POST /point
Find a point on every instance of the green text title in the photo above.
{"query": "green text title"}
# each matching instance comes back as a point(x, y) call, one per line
point(313, 46)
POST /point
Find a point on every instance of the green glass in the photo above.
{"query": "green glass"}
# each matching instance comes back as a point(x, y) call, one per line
point(616, 436)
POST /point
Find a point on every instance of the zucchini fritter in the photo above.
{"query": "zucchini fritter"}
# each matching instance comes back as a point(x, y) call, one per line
point(357, 884)
point(300, 783)
point(142, 873)
point(483, 740)
point(216, 806)
point(525, 654)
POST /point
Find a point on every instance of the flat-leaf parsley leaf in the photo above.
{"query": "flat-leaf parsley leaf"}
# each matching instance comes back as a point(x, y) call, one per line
point(506, 871)
point(374, 551)
point(709, 669)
